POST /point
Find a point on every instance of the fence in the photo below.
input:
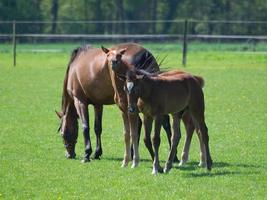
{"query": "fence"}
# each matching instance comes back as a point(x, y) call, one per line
point(180, 30)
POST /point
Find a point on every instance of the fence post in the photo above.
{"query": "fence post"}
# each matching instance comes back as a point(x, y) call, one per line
point(14, 43)
point(185, 43)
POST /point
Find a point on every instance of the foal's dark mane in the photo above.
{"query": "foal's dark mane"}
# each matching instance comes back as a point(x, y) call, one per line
point(65, 95)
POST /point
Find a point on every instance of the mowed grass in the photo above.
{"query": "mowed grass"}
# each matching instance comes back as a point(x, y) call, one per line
point(32, 162)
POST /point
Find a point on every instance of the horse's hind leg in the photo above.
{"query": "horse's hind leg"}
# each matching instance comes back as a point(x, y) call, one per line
point(167, 127)
point(82, 110)
point(98, 130)
point(189, 126)
point(147, 139)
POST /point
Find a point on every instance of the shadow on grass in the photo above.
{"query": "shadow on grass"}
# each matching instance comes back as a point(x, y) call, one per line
point(193, 166)
point(121, 158)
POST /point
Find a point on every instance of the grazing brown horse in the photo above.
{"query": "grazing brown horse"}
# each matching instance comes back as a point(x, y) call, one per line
point(87, 81)
point(118, 68)
point(157, 95)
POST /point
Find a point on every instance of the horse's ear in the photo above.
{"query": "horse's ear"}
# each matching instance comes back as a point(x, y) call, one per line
point(139, 77)
point(122, 51)
point(59, 114)
point(104, 49)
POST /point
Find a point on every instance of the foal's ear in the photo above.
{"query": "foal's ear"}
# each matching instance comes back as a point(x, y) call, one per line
point(139, 77)
point(122, 51)
point(59, 114)
point(104, 49)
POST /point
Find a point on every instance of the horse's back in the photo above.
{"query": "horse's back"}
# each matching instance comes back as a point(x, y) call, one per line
point(89, 78)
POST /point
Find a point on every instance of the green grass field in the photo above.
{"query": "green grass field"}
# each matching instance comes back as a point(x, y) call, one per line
point(32, 162)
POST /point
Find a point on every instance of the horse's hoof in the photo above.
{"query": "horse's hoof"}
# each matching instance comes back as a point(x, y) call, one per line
point(70, 156)
point(176, 160)
point(97, 154)
point(167, 168)
point(85, 160)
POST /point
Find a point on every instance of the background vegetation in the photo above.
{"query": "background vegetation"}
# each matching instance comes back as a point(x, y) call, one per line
point(58, 10)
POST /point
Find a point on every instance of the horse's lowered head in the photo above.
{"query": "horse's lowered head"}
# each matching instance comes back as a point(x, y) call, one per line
point(114, 58)
point(69, 131)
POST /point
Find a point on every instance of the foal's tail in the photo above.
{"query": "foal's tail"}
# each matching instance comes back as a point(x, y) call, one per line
point(200, 80)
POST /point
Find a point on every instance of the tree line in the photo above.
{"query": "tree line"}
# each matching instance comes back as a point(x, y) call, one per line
point(120, 10)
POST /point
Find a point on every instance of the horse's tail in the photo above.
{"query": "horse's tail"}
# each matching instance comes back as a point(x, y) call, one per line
point(200, 80)
point(65, 94)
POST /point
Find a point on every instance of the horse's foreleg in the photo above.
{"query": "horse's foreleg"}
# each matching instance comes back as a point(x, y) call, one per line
point(189, 126)
point(133, 121)
point(167, 127)
point(98, 130)
point(84, 116)
point(139, 133)
point(127, 140)
point(176, 136)
point(156, 143)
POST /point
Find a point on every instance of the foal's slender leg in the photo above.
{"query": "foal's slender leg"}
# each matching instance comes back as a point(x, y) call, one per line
point(127, 140)
point(98, 130)
point(133, 121)
point(167, 127)
point(148, 127)
point(175, 140)
point(156, 143)
point(82, 110)
point(203, 160)
point(205, 137)
point(189, 126)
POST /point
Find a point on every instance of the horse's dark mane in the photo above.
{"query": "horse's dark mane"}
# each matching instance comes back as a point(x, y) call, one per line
point(74, 54)
point(146, 61)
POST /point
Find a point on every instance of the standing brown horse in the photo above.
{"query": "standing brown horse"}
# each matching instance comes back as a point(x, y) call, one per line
point(87, 81)
point(156, 96)
point(118, 67)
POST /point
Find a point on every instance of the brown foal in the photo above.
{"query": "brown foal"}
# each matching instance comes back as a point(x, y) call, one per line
point(175, 93)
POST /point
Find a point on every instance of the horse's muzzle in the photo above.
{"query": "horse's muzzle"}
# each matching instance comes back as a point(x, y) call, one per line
point(132, 109)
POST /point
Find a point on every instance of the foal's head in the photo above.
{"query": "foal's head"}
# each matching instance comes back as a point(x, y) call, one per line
point(69, 131)
point(133, 90)
point(114, 58)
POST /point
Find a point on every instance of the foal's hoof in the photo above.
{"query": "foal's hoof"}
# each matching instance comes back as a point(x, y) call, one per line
point(124, 163)
point(134, 165)
point(182, 163)
point(202, 164)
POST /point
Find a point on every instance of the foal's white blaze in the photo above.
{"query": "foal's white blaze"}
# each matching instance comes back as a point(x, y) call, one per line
point(130, 86)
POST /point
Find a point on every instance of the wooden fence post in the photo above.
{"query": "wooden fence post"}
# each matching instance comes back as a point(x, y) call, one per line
point(185, 43)
point(14, 43)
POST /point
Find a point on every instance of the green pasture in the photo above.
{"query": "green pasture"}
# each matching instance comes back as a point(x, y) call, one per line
point(32, 162)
